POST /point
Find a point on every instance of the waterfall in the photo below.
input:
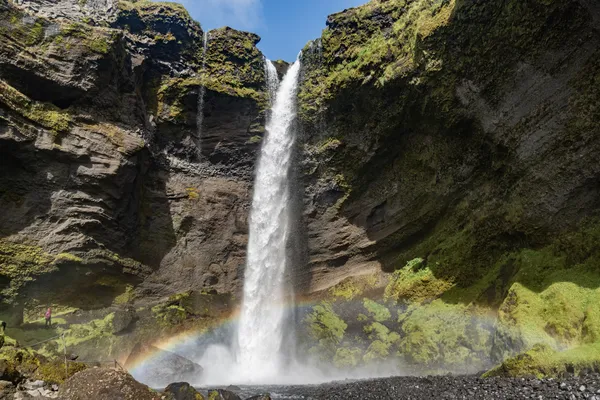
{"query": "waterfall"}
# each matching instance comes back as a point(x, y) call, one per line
point(202, 92)
point(272, 80)
point(262, 321)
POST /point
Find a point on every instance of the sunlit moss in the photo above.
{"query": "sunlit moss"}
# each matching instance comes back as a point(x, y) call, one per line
point(21, 264)
point(415, 283)
point(543, 361)
point(347, 357)
point(44, 114)
point(440, 334)
point(379, 312)
point(326, 328)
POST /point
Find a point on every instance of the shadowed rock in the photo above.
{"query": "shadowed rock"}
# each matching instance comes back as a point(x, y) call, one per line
point(183, 391)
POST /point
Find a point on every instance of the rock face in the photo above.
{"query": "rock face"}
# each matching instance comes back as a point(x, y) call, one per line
point(104, 176)
point(433, 130)
point(450, 143)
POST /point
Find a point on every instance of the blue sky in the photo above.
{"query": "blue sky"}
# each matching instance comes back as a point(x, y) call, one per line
point(284, 25)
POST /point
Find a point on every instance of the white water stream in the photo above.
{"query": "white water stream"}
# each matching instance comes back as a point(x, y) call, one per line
point(201, 94)
point(261, 329)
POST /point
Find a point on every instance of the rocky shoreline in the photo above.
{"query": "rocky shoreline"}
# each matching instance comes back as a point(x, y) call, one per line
point(114, 384)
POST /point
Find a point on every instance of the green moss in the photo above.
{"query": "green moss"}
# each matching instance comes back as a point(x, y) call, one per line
point(347, 290)
point(328, 144)
point(44, 114)
point(415, 283)
point(99, 45)
point(445, 335)
point(543, 361)
point(54, 371)
point(36, 34)
point(68, 257)
point(379, 312)
point(125, 297)
point(326, 328)
point(21, 264)
point(255, 139)
point(382, 339)
point(348, 357)
point(192, 193)
point(169, 315)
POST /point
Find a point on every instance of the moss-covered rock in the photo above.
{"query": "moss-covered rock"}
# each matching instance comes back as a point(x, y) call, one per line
point(20, 264)
point(543, 361)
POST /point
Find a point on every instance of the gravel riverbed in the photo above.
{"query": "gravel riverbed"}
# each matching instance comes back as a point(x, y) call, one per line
point(439, 387)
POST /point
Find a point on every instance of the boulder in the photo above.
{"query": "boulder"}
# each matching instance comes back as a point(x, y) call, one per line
point(105, 384)
point(265, 396)
point(222, 394)
point(161, 367)
point(123, 319)
point(183, 391)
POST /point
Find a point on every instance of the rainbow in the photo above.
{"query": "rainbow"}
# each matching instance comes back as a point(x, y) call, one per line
point(172, 343)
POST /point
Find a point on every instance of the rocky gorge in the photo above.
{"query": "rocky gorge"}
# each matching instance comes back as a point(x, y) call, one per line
point(446, 183)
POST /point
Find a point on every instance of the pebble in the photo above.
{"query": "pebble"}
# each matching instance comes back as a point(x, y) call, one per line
point(445, 387)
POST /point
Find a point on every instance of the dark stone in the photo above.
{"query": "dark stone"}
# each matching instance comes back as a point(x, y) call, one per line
point(123, 319)
point(183, 391)
point(222, 394)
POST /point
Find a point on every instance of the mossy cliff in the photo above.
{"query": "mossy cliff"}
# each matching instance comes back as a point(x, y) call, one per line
point(460, 132)
point(114, 198)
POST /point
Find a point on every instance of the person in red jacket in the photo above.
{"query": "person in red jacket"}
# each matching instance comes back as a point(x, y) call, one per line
point(48, 317)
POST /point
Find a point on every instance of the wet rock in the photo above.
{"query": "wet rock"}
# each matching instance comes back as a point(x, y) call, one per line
point(105, 384)
point(222, 394)
point(183, 391)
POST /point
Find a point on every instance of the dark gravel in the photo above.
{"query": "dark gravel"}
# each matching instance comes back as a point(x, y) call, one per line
point(440, 387)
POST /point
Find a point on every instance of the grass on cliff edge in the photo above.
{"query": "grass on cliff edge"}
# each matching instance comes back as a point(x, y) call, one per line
point(542, 361)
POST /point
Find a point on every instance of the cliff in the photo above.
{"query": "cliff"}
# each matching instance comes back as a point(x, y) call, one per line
point(112, 193)
point(447, 182)
point(461, 135)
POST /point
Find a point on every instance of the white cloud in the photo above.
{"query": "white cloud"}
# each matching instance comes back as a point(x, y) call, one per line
point(239, 14)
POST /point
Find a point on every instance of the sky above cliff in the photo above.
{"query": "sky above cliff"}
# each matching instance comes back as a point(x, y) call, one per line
point(285, 26)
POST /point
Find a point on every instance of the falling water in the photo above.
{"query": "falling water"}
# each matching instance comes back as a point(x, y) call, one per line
point(262, 321)
point(272, 80)
point(200, 109)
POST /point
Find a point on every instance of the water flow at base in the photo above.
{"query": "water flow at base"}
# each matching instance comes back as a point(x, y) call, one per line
point(260, 348)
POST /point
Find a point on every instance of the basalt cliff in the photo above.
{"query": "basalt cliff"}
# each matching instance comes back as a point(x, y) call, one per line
point(446, 175)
